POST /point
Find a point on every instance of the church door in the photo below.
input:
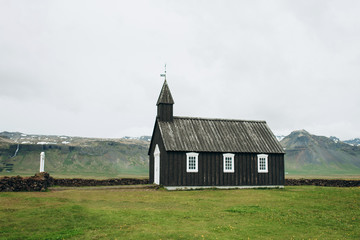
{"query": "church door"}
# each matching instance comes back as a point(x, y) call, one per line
point(157, 165)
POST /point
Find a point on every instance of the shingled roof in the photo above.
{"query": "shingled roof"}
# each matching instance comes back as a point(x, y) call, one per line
point(218, 135)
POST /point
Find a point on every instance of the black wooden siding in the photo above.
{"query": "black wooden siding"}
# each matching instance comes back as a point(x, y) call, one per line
point(165, 112)
point(210, 170)
point(156, 139)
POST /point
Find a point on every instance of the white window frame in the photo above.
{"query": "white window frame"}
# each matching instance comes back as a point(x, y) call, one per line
point(263, 156)
point(231, 156)
point(192, 155)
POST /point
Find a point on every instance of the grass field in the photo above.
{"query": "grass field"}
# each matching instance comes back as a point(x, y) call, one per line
point(93, 175)
point(317, 172)
point(323, 176)
point(305, 212)
point(84, 176)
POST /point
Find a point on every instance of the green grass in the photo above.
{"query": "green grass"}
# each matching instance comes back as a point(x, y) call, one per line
point(323, 173)
point(323, 176)
point(305, 212)
point(89, 175)
point(316, 170)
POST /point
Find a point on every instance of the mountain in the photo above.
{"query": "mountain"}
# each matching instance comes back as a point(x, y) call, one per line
point(143, 138)
point(311, 154)
point(353, 142)
point(73, 156)
point(280, 137)
point(21, 138)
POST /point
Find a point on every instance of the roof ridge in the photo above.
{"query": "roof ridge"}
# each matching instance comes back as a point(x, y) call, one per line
point(218, 119)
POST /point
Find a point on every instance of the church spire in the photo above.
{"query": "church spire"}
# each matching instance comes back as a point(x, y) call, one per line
point(165, 104)
point(165, 95)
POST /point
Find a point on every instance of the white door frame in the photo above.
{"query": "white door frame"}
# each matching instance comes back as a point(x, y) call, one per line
point(157, 165)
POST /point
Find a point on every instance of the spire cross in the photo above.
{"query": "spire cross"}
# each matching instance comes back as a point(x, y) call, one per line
point(164, 74)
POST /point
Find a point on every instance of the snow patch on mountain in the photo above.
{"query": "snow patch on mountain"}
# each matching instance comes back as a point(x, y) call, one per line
point(353, 142)
point(280, 137)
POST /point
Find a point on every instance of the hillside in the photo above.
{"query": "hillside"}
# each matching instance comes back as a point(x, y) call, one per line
point(308, 154)
point(5, 143)
point(73, 156)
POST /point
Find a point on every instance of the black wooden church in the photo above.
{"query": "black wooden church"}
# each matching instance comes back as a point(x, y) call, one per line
point(188, 152)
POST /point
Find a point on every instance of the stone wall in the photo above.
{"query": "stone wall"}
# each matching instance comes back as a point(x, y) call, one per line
point(323, 182)
point(79, 182)
point(41, 181)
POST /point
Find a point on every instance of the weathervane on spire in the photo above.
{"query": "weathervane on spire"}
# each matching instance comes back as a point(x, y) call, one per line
point(164, 74)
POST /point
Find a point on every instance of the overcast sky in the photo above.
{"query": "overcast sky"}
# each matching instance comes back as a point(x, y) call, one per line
point(92, 68)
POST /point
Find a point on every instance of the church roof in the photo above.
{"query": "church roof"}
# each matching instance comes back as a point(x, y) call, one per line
point(218, 135)
point(165, 95)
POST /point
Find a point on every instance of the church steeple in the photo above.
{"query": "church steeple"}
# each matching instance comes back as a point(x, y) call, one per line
point(165, 95)
point(165, 104)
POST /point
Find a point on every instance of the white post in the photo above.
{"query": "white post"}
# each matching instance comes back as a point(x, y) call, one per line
point(42, 161)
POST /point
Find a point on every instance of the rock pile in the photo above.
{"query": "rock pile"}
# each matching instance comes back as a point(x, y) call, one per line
point(323, 182)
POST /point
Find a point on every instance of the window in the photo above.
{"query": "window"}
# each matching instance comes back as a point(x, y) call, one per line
point(262, 163)
point(192, 162)
point(228, 162)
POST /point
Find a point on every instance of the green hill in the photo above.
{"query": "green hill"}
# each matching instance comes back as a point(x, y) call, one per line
point(307, 154)
point(73, 157)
